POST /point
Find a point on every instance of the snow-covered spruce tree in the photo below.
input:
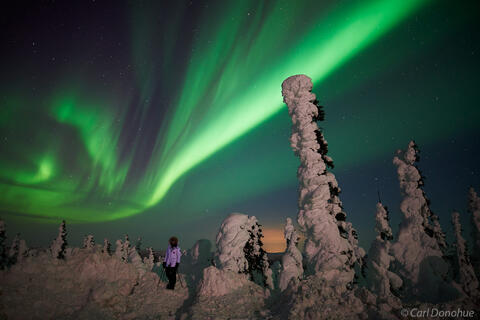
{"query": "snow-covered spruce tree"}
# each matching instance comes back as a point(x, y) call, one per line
point(150, 261)
point(106, 247)
point(57, 249)
point(239, 248)
point(474, 209)
point(256, 256)
point(119, 251)
point(88, 242)
point(22, 250)
point(135, 258)
point(288, 231)
point(329, 248)
point(126, 247)
point(292, 268)
point(3, 248)
point(14, 249)
point(419, 248)
point(138, 244)
point(380, 279)
point(464, 273)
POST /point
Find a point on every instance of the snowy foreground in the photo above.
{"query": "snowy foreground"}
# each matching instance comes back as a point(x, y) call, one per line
point(91, 283)
point(412, 274)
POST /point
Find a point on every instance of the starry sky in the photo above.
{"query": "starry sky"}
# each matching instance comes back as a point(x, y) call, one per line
point(159, 118)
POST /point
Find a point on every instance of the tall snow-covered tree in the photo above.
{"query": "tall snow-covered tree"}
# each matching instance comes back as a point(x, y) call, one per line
point(3, 248)
point(329, 248)
point(138, 244)
point(88, 242)
point(420, 244)
point(292, 267)
point(465, 275)
point(256, 256)
point(126, 246)
point(150, 260)
point(380, 279)
point(22, 250)
point(59, 245)
point(106, 247)
point(14, 249)
point(120, 251)
point(474, 209)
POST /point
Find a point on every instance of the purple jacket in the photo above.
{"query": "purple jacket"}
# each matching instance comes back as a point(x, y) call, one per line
point(172, 256)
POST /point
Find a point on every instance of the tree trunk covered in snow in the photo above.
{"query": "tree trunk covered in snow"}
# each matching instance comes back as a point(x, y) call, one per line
point(330, 246)
point(465, 275)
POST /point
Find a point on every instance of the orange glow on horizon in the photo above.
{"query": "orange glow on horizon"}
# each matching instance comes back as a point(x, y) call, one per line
point(273, 240)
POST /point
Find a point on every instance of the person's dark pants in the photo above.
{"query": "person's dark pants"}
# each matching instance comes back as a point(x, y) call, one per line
point(171, 273)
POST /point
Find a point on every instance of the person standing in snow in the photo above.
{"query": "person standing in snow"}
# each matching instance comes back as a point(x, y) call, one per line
point(172, 261)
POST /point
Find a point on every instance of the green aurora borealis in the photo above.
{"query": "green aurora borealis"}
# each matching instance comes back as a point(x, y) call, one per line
point(149, 113)
point(231, 86)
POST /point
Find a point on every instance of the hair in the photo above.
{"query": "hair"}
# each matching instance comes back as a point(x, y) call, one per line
point(173, 241)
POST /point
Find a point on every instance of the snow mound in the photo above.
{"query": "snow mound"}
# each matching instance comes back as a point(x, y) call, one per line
point(85, 285)
point(218, 282)
point(224, 294)
point(317, 298)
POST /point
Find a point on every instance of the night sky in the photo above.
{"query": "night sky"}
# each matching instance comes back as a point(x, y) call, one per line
point(159, 118)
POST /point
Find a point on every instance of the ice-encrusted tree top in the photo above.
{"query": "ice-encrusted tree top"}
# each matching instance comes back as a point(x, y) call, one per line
point(465, 273)
point(330, 245)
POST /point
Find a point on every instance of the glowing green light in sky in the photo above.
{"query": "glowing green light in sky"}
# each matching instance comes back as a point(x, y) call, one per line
point(231, 85)
point(240, 101)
